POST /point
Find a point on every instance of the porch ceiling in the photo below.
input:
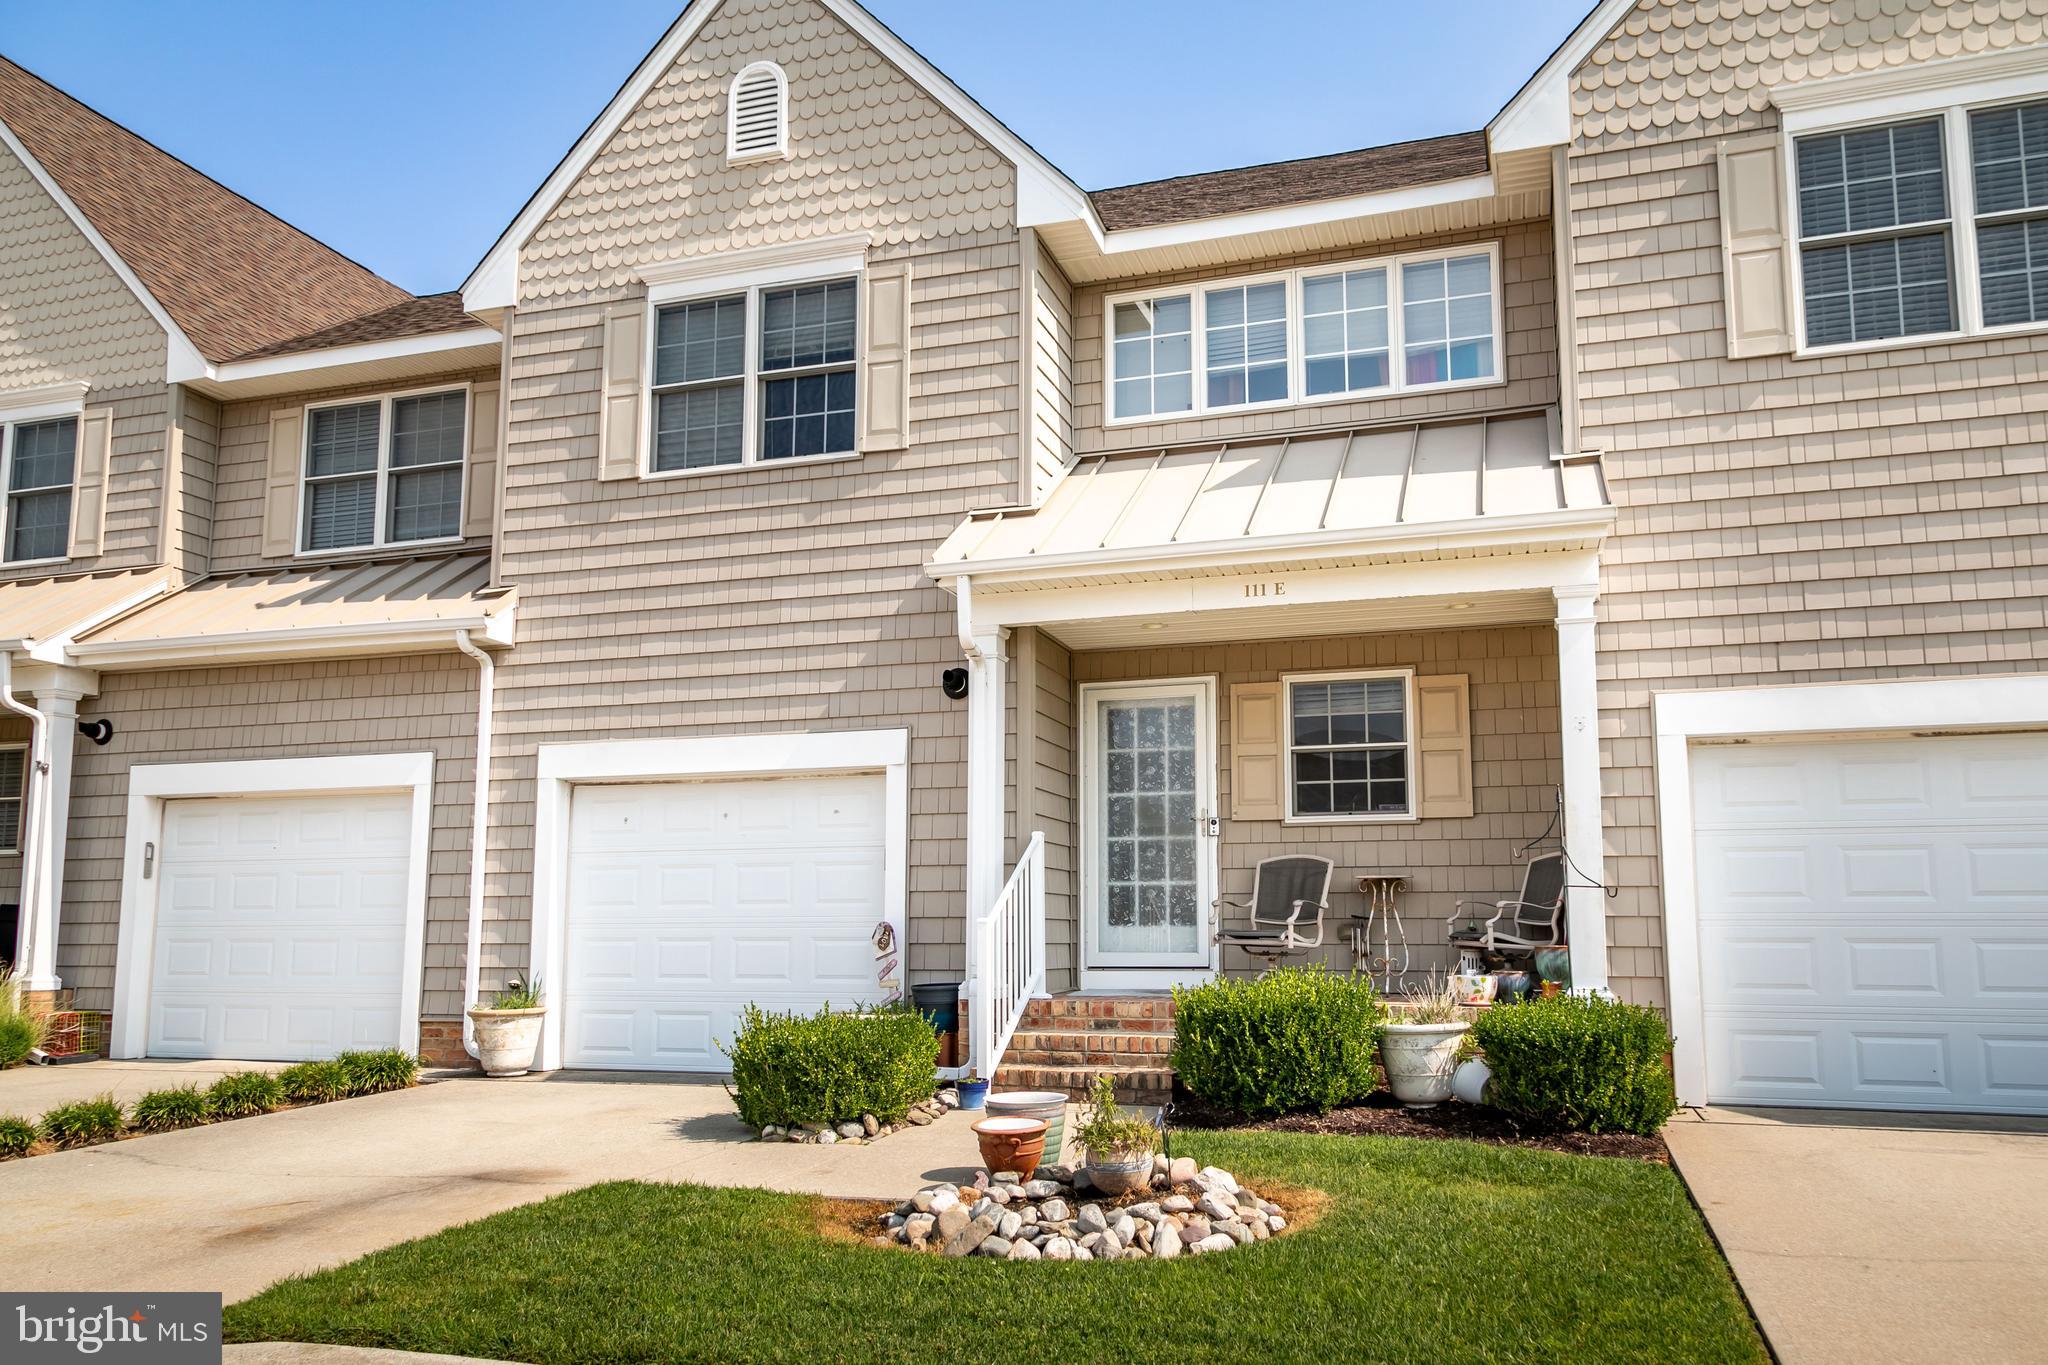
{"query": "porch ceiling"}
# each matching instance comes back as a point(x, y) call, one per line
point(1307, 620)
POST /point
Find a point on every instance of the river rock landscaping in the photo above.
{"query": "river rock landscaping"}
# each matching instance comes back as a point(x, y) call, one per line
point(867, 1129)
point(1056, 1216)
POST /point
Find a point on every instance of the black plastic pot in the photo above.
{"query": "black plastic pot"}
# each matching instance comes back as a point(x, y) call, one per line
point(938, 1001)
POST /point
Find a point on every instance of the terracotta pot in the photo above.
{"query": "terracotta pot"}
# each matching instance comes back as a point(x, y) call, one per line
point(1011, 1143)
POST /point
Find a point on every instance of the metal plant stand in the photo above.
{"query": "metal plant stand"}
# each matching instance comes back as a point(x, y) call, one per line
point(1389, 966)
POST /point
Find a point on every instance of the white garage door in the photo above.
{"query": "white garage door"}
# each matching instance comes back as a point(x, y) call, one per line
point(280, 926)
point(1874, 922)
point(688, 900)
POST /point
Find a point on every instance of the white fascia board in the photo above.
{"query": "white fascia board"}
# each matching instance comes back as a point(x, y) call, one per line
point(1295, 216)
point(301, 642)
point(1505, 532)
point(184, 362)
point(362, 353)
point(1540, 114)
point(1042, 187)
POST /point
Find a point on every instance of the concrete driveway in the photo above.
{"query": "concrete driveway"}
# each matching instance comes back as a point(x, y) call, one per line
point(235, 1206)
point(1894, 1237)
point(32, 1091)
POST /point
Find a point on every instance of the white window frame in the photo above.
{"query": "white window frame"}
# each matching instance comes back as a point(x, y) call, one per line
point(780, 151)
point(695, 288)
point(1297, 365)
point(1953, 104)
point(1407, 677)
point(27, 408)
point(20, 798)
point(384, 471)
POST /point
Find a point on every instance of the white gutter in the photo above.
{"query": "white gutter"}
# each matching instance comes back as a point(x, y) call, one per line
point(479, 829)
point(34, 826)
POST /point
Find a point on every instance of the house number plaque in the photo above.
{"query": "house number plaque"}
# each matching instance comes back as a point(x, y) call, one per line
point(1276, 587)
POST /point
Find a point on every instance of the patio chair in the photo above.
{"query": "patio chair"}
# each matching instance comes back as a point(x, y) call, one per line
point(1290, 896)
point(1532, 920)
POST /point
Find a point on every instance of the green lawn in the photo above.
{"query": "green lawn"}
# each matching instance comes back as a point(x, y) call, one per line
point(1431, 1251)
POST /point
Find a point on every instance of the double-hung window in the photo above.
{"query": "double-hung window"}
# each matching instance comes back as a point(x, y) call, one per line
point(1350, 746)
point(13, 792)
point(1933, 225)
point(42, 460)
point(754, 376)
point(383, 471)
point(1316, 334)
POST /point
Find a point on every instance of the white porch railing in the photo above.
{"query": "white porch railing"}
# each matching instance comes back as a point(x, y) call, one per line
point(1008, 947)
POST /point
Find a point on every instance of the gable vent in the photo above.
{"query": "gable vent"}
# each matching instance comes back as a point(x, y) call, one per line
point(757, 122)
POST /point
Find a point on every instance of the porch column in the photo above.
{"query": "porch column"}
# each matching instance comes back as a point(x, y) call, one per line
point(56, 692)
point(1578, 711)
point(986, 663)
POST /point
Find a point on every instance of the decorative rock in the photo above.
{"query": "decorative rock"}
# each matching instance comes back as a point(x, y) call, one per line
point(1053, 1210)
point(1160, 1164)
point(1005, 1178)
point(918, 1117)
point(1217, 1207)
point(1041, 1189)
point(1090, 1241)
point(949, 1098)
point(950, 1221)
point(963, 1242)
point(1142, 1212)
point(894, 1221)
point(1125, 1227)
point(827, 1138)
point(850, 1130)
point(1260, 1232)
point(1217, 1177)
point(1215, 1241)
point(1109, 1248)
point(1146, 1233)
point(1268, 1208)
point(871, 1124)
point(1090, 1219)
point(1277, 1223)
point(1029, 1213)
point(1195, 1229)
point(853, 1142)
point(995, 1247)
point(1133, 1254)
point(1235, 1231)
point(1082, 1253)
point(1165, 1247)
point(1181, 1170)
point(1059, 1249)
point(1059, 1175)
point(942, 1198)
point(1023, 1251)
point(1083, 1182)
point(982, 1206)
point(1177, 1203)
point(1007, 1226)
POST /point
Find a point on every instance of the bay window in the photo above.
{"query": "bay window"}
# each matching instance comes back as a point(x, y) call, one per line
point(1315, 334)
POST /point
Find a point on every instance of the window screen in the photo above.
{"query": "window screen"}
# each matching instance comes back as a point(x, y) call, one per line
point(807, 367)
point(700, 359)
point(41, 458)
point(1349, 747)
point(1874, 243)
point(2009, 156)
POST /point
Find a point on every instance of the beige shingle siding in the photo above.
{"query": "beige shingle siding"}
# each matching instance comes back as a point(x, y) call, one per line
point(1051, 439)
point(762, 599)
point(405, 704)
point(1875, 515)
point(1051, 773)
point(66, 314)
point(868, 149)
point(1515, 769)
point(195, 450)
point(1529, 317)
point(242, 467)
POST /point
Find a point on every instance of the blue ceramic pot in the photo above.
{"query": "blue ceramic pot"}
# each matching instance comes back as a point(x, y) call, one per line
point(973, 1094)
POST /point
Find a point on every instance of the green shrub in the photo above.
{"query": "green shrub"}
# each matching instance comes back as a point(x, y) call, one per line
point(831, 1068)
point(1105, 1130)
point(83, 1123)
point(314, 1082)
point(1298, 1039)
point(21, 1031)
point(371, 1072)
point(1582, 1062)
point(244, 1093)
point(161, 1111)
point(17, 1135)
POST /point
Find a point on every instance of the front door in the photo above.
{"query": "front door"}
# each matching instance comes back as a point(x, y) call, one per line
point(1148, 773)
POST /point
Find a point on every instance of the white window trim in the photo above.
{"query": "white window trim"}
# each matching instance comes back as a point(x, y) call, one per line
point(383, 472)
point(1798, 711)
point(1297, 365)
point(21, 823)
point(1853, 103)
point(561, 767)
point(27, 407)
point(151, 785)
point(680, 285)
point(1407, 677)
point(780, 151)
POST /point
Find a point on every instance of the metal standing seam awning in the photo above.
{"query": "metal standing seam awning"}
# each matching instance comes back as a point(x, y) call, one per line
point(39, 616)
point(1486, 488)
point(309, 611)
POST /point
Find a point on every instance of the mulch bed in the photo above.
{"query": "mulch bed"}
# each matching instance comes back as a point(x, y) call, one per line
point(1384, 1116)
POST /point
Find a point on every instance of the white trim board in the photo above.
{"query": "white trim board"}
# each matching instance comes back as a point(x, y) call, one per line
point(1540, 114)
point(1044, 193)
point(184, 361)
point(360, 353)
point(562, 767)
point(151, 785)
point(1798, 712)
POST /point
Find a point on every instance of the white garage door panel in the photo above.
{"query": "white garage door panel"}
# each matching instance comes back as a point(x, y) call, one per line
point(280, 927)
point(688, 901)
point(1874, 922)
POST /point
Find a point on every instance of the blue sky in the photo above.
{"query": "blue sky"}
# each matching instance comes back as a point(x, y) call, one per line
point(391, 129)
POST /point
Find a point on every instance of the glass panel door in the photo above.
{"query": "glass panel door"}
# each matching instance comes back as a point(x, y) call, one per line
point(1150, 792)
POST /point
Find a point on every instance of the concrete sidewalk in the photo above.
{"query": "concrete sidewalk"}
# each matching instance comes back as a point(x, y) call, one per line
point(235, 1206)
point(1893, 1237)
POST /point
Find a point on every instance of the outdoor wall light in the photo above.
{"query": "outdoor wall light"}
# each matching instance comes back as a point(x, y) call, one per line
point(953, 682)
point(98, 731)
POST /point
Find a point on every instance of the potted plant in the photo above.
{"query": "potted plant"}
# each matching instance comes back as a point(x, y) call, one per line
point(508, 1029)
point(1419, 1047)
point(1117, 1146)
point(973, 1091)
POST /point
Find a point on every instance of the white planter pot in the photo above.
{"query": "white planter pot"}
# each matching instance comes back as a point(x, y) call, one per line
point(506, 1039)
point(1468, 1082)
point(1419, 1059)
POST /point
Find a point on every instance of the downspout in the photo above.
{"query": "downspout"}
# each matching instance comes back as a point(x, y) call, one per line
point(963, 616)
point(32, 817)
point(479, 829)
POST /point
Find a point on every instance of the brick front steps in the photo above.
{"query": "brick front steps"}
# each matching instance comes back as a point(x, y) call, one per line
point(1067, 1041)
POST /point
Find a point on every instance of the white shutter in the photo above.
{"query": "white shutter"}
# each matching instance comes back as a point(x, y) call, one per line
point(480, 497)
point(757, 114)
point(89, 492)
point(1756, 255)
point(619, 435)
